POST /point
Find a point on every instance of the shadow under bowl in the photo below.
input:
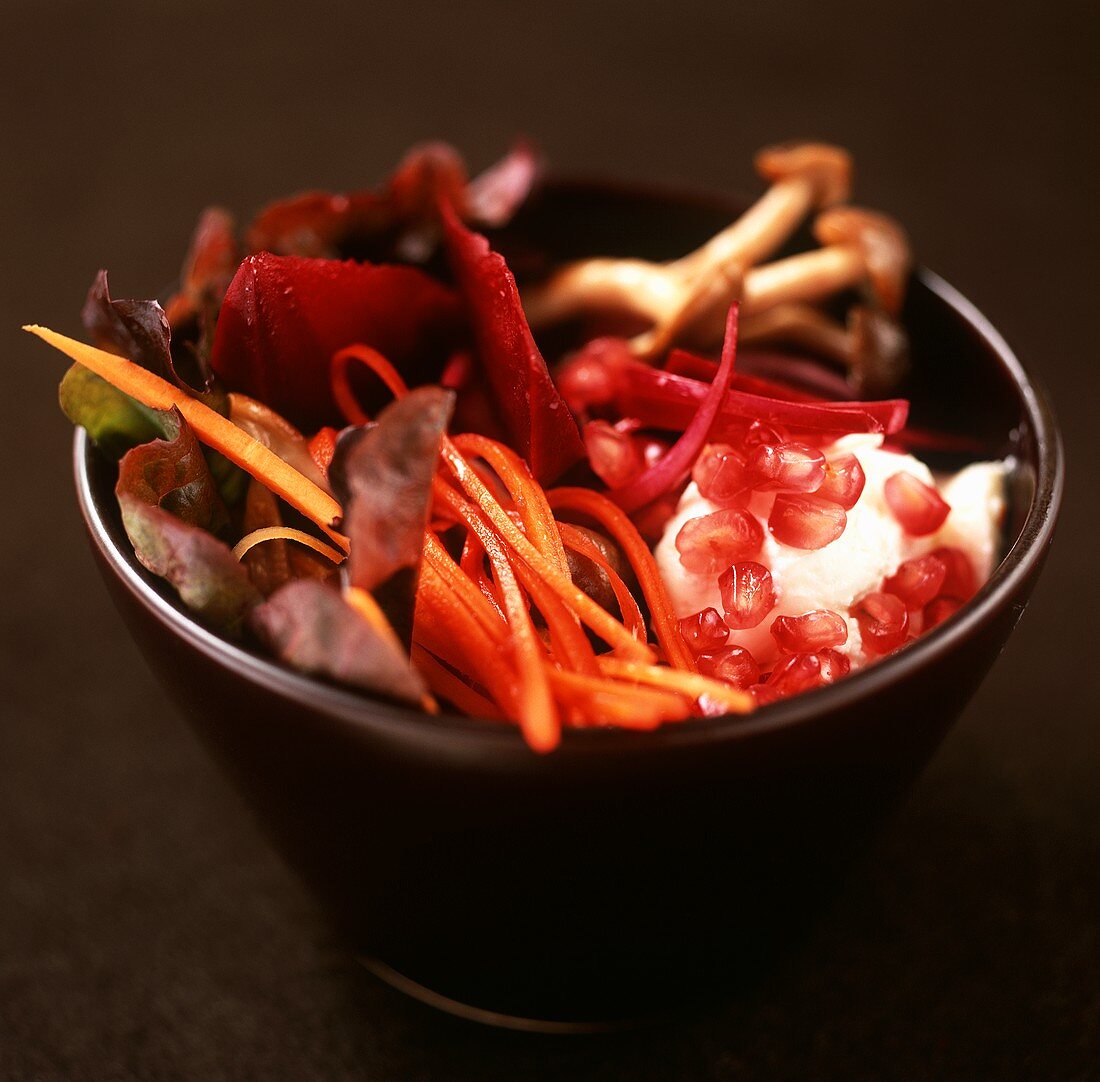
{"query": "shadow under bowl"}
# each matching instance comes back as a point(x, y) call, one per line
point(625, 872)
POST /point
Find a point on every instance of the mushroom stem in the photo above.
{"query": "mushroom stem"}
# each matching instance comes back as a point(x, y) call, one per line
point(809, 276)
point(803, 326)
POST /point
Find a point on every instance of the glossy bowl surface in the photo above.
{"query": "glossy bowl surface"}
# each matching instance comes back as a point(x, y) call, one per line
point(625, 871)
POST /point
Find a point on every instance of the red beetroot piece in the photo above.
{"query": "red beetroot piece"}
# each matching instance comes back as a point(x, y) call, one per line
point(844, 481)
point(704, 631)
point(883, 622)
point(710, 543)
point(748, 594)
point(939, 610)
point(816, 630)
point(615, 457)
point(806, 522)
point(734, 664)
point(721, 475)
point(786, 467)
point(919, 508)
point(917, 581)
point(960, 581)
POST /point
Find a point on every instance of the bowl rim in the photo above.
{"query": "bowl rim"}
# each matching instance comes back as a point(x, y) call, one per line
point(474, 736)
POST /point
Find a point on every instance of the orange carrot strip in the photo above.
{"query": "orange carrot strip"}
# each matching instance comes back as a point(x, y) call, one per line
point(603, 702)
point(285, 533)
point(587, 502)
point(487, 612)
point(452, 688)
point(580, 542)
point(210, 427)
point(341, 387)
point(692, 684)
point(598, 619)
point(538, 714)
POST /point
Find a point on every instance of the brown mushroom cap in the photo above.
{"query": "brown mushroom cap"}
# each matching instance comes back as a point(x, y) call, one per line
point(882, 243)
point(829, 168)
point(879, 350)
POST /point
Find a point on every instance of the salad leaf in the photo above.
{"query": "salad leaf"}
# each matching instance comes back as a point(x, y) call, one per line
point(400, 220)
point(537, 419)
point(115, 421)
point(171, 511)
point(387, 475)
point(309, 626)
point(284, 317)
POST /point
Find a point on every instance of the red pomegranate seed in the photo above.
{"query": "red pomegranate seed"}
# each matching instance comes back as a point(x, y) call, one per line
point(710, 543)
point(918, 507)
point(812, 631)
point(960, 580)
point(806, 522)
point(734, 664)
point(704, 631)
point(939, 610)
point(746, 435)
point(764, 694)
point(721, 475)
point(795, 673)
point(615, 456)
point(883, 622)
point(844, 481)
point(748, 595)
point(834, 665)
point(786, 467)
point(917, 581)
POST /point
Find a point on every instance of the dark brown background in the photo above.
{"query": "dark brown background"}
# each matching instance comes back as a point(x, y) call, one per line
point(145, 928)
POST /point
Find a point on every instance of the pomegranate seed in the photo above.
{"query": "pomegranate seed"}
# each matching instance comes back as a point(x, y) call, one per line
point(960, 580)
point(734, 664)
point(883, 621)
point(917, 581)
point(710, 543)
point(844, 481)
point(652, 519)
point(764, 694)
point(747, 435)
point(918, 507)
point(721, 475)
point(806, 522)
point(786, 467)
point(939, 610)
point(834, 665)
point(615, 457)
point(748, 595)
point(704, 631)
point(810, 632)
point(795, 673)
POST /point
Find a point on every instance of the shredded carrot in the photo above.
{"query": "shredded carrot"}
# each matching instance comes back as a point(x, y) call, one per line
point(598, 619)
point(210, 427)
point(603, 701)
point(285, 533)
point(592, 504)
point(447, 685)
point(577, 540)
point(693, 684)
point(341, 385)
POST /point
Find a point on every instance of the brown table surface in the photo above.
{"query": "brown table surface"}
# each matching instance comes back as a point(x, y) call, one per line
point(146, 929)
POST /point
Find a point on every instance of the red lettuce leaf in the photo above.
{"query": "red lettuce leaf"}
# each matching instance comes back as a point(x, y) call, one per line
point(208, 269)
point(171, 511)
point(385, 480)
point(284, 317)
point(309, 626)
point(538, 421)
point(400, 220)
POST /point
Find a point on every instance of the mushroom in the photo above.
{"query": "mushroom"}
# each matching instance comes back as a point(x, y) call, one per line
point(873, 348)
point(804, 176)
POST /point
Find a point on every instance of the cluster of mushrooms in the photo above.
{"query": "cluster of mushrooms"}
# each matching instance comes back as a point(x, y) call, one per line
point(785, 303)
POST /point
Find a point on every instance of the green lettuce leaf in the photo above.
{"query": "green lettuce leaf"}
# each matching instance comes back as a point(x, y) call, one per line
point(115, 421)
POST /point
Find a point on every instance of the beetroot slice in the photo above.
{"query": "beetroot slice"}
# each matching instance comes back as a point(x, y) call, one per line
point(673, 466)
point(538, 421)
point(283, 317)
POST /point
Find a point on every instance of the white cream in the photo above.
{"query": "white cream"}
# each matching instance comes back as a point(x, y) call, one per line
point(870, 549)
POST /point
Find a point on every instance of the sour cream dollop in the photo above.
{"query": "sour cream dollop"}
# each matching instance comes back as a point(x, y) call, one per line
point(871, 548)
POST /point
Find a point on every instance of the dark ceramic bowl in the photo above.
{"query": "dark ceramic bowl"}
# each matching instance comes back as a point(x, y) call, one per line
point(625, 871)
